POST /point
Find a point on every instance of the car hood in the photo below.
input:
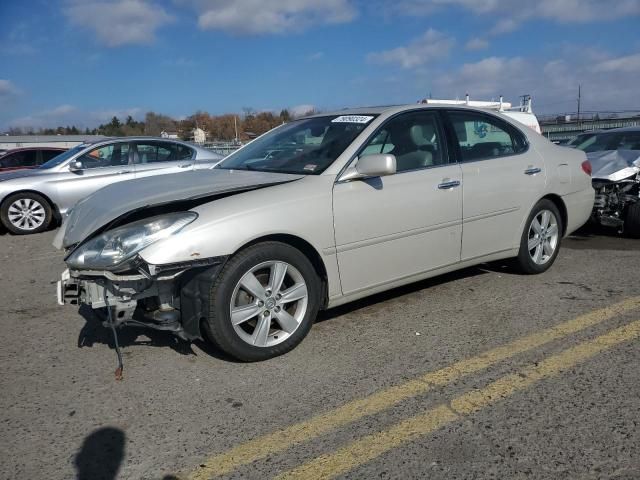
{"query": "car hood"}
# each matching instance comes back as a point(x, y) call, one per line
point(113, 201)
point(14, 174)
point(614, 165)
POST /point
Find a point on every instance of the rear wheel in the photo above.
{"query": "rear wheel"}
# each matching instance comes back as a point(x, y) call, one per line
point(25, 213)
point(541, 237)
point(632, 220)
point(264, 302)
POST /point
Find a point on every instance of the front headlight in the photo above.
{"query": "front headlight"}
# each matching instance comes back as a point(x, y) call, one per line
point(112, 248)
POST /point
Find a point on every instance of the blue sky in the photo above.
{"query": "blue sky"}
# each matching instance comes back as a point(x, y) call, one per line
point(73, 61)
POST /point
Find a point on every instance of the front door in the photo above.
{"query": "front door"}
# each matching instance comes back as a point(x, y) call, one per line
point(101, 166)
point(503, 179)
point(391, 228)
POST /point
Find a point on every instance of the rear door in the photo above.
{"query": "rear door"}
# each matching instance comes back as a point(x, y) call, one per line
point(159, 158)
point(502, 178)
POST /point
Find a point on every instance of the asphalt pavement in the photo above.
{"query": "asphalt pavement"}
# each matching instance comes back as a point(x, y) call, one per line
point(483, 373)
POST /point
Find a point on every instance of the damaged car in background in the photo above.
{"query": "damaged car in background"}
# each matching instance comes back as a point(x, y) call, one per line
point(316, 213)
point(615, 161)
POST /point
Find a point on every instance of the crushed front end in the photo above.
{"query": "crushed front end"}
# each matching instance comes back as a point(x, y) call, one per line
point(107, 273)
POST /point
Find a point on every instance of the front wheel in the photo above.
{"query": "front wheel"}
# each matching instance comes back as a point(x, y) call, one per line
point(541, 237)
point(25, 213)
point(264, 302)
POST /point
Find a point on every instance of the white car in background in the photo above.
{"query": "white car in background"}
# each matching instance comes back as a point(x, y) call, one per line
point(319, 212)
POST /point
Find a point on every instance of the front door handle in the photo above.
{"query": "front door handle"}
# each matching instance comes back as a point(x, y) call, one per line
point(532, 170)
point(124, 171)
point(449, 185)
point(185, 165)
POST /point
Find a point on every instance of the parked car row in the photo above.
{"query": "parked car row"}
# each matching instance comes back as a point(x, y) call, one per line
point(315, 213)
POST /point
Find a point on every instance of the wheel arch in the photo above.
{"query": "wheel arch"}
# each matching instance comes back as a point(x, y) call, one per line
point(562, 208)
point(54, 207)
point(307, 250)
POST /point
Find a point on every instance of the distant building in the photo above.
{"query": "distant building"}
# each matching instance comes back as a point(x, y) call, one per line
point(198, 136)
point(164, 134)
point(8, 142)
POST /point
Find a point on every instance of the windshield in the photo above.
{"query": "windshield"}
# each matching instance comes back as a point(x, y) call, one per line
point(58, 159)
point(304, 147)
point(611, 141)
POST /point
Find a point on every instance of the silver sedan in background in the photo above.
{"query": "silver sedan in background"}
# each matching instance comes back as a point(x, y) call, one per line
point(319, 212)
point(30, 200)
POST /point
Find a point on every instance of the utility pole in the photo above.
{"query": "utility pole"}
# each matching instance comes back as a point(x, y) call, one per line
point(579, 99)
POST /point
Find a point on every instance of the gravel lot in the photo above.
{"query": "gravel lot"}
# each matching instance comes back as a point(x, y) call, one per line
point(181, 406)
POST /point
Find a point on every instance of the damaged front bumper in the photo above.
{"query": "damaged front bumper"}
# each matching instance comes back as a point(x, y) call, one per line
point(171, 297)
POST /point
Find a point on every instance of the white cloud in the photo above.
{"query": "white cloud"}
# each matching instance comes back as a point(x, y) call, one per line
point(429, 46)
point(513, 12)
point(607, 83)
point(630, 63)
point(118, 22)
point(477, 44)
point(269, 16)
point(64, 115)
point(8, 90)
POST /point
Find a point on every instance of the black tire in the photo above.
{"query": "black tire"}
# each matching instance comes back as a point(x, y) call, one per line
point(632, 220)
point(219, 328)
point(27, 196)
point(524, 261)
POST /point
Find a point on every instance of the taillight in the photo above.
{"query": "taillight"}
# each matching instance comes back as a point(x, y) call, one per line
point(586, 167)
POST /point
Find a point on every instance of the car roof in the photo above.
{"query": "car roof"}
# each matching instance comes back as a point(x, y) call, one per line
point(22, 149)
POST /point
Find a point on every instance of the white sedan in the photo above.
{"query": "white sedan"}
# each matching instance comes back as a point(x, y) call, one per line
point(319, 212)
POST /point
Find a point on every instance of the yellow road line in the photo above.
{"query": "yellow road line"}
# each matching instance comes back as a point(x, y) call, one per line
point(281, 440)
point(372, 446)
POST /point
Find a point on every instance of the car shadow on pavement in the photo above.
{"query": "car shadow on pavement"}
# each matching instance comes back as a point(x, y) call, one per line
point(413, 288)
point(94, 332)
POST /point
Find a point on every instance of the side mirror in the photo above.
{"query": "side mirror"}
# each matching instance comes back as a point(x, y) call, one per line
point(377, 165)
point(76, 166)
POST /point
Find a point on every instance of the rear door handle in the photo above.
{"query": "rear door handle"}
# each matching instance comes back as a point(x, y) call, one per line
point(532, 171)
point(449, 185)
point(185, 165)
point(124, 171)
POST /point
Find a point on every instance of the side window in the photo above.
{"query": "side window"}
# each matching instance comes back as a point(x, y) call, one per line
point(183, 152)
point(113, 155)
point(49, 154)
point(30, 158)
point(414, 138)
point(481, 136)
point(153, 152)
point(12, 160)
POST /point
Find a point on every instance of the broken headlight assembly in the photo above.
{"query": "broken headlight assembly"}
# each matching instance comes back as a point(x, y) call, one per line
point(111, 250)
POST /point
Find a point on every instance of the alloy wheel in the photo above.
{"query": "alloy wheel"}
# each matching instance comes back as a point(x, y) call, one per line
point(26, 214)
point(543, 237)
point(268, 303)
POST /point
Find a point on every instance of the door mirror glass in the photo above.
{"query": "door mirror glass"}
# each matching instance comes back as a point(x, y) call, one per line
point(76, 166)
point(377, 165)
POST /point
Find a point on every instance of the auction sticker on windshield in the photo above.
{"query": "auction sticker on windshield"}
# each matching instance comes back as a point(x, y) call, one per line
point(352, 119)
